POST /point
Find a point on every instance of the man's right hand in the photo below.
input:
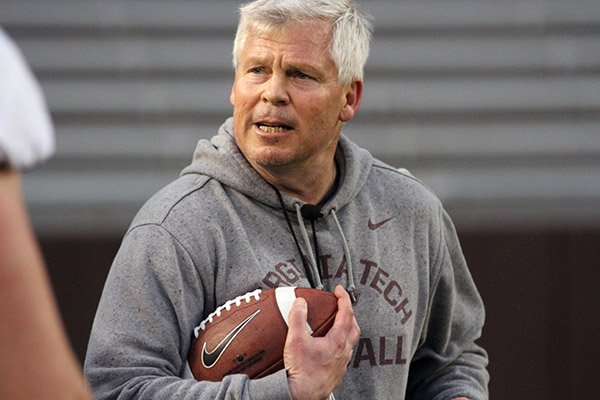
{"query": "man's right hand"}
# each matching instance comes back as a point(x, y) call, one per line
point(316, 366)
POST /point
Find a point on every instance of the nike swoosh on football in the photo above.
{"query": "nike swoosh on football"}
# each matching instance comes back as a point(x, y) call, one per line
point(373, 226)
point(210, 358)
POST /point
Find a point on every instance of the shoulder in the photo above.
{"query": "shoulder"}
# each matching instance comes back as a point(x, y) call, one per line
point(400, 184)
point(171, 201)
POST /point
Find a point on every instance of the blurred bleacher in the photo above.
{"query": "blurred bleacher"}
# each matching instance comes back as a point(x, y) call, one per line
point(495, 105)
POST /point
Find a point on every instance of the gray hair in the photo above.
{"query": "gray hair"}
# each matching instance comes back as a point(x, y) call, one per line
point(351, 30)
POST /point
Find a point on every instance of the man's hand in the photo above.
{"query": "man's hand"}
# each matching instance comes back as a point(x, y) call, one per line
point(316, 366)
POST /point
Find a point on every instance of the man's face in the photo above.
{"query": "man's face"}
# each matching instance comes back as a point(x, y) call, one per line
point(288, 106)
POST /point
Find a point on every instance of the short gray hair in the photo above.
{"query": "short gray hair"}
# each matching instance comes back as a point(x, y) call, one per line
point(351, 29)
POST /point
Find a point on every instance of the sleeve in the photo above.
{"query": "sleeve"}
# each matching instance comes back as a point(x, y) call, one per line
point(141, 335)
point(449, 364)
point(26, 131)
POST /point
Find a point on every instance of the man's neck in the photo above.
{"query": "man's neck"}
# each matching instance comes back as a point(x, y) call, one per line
point(311, 188)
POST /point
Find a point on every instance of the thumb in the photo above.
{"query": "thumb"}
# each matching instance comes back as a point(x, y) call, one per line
point(298, 318)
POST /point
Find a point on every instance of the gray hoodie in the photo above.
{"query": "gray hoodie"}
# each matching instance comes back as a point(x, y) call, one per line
point(219, 231)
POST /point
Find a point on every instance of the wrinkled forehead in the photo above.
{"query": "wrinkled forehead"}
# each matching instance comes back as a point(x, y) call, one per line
point(321, 27)
point(305, 40)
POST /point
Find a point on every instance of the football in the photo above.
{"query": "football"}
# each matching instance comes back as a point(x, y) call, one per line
point(246, 335)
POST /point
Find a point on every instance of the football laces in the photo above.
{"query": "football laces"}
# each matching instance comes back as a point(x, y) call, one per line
point(227, 307)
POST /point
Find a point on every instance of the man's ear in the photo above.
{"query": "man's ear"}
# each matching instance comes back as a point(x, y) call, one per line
point(232, 95)
point(353, 99)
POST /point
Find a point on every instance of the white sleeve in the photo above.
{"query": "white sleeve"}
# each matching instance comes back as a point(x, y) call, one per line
point(26, 131)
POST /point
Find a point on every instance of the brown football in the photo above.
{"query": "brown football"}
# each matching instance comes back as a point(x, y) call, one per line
point(246, 335)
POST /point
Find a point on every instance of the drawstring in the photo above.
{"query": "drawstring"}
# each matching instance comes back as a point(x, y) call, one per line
point(312, 260)
point(312, 269)
point(316, 244)
point(351, 289)
point(309, 272)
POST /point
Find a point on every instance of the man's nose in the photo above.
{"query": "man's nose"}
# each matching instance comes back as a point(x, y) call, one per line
point(275, 91)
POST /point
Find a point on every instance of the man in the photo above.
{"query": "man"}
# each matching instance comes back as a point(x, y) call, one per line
point(36, 360)
point(237, 219)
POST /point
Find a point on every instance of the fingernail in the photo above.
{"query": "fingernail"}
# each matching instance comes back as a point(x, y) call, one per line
point(301, 302)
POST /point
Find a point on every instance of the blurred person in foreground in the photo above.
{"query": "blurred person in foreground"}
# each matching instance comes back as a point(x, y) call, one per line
point(280, 197)
point(36, 360)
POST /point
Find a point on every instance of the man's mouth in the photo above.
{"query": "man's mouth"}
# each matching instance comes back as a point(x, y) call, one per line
point(269, 128)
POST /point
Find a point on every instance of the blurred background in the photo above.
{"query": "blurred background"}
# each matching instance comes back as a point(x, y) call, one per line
point(493, 104)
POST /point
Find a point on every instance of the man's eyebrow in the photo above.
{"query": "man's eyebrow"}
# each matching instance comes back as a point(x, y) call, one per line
point(311, 68)
point(257, 59)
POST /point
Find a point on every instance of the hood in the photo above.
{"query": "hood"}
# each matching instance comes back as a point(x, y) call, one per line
point(221, 159)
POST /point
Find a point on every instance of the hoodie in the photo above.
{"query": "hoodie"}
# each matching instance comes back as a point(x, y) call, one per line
point(220, 231)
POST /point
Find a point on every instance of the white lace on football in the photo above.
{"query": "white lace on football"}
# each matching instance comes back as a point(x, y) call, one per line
point(227, 306)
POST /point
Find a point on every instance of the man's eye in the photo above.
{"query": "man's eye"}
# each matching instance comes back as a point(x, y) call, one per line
point(300, 75)
point(257, 70)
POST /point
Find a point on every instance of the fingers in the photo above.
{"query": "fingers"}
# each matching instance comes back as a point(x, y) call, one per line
point(297, 319)
point(345, 321)
point(344, 324)
point(317, 365)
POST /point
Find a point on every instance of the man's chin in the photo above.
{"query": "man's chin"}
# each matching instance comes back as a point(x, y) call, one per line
point(270, 158)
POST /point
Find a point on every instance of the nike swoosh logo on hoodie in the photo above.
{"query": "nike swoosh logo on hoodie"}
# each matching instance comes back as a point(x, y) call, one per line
point(210, 358)
point(373, 226)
